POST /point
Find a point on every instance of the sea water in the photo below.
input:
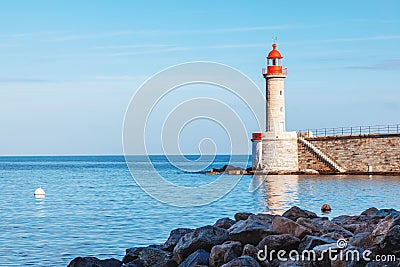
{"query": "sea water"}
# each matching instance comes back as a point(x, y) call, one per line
point(93, 207)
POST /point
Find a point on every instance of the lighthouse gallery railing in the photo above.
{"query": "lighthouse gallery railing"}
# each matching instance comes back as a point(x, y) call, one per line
point(284, 71)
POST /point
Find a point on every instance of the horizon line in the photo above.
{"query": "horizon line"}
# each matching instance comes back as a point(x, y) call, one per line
point(117, 155)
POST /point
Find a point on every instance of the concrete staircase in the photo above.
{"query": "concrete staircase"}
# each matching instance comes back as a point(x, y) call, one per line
point(321, 155)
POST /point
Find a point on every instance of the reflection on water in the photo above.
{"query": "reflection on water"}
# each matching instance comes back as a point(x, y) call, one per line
point(40, 208)
point(346, 194)
point(281, 192)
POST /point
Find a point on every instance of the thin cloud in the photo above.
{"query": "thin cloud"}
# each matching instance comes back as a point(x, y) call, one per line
point(170, 32)
point(120, 78)
point(135, 46)
point(72, 38)
point(228, 46)
point(367, 38)
point(79, 37)
point(242, 29)
point(218, 30)
point(25, 35)
point(152, 51)
point(393, 64)
point(21, 80)
point(170, 48)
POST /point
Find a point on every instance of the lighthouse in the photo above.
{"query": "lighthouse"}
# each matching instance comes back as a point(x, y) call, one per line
point(275, 150)
point(274, 76)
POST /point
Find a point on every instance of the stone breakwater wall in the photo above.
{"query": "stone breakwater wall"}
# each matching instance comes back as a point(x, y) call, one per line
point(250, 239)
point(361, 153)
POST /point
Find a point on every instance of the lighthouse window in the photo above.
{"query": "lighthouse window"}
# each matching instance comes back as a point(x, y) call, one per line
point(280, 92)
point(274, 61)
point(281, 109)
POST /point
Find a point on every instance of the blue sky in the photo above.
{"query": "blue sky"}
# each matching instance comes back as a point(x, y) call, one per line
point(69, 68)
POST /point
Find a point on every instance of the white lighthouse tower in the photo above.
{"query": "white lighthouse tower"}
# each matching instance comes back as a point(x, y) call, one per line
point(274, 75)
point(275, 150)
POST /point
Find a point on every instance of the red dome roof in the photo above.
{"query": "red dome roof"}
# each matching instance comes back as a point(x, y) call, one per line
point(274, 53)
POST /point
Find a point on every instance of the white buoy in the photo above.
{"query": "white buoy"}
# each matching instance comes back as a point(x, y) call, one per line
point(39, 193)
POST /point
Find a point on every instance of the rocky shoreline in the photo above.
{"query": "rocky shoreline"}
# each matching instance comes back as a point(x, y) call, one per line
point(297, 238)
point(233, 170)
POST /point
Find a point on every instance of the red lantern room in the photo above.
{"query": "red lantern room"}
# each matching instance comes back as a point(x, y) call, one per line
point(274, 62)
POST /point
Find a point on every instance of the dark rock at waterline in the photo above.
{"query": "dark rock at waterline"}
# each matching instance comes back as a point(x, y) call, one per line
point(134, 253)
point(149, 256)
point(250, 231)
point(370, 211)
point(224, 223)
point(242, 216)
point(382, 213)
point(224, 253)
point(174, 237)
point(198, 258)
point(134, 263)
point(283, 225)
point(131, 254)
point(266, 218)
point(94, 262)
point(242, 261)
point(295, 212)
point(157, 257)
point(340, 219)
point(229, 169)
point(201, 238)
point(283, 242)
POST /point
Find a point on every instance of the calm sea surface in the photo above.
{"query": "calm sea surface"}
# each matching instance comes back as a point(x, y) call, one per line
point(93, 207)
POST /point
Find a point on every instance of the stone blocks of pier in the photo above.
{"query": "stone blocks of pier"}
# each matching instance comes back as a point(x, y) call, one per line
point(355, 153)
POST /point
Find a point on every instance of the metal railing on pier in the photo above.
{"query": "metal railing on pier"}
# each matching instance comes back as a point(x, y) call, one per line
point(355, 130)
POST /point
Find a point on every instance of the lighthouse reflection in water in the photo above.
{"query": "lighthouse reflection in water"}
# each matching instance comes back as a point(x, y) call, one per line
point(278, 192)
point(345, 194)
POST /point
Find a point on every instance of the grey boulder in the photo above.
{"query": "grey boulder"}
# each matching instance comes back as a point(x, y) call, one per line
point(250, 231)
point(283, 225)
point(224, 253)
point(174, 237)
point(197, 258)
point(94, 262)
point(295, 212)
point(201, 238)
point(242, 261)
